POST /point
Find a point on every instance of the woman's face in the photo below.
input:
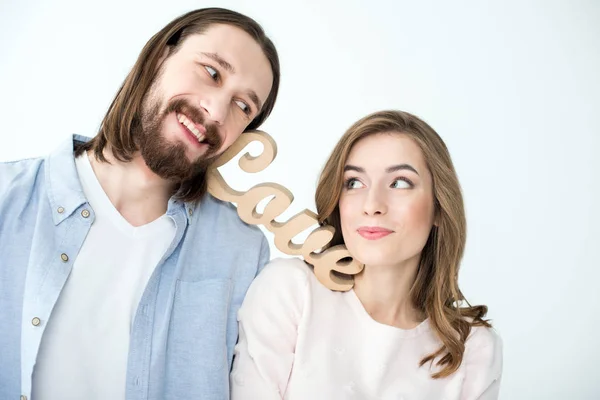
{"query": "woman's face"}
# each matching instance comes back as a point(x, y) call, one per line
point(386, 206)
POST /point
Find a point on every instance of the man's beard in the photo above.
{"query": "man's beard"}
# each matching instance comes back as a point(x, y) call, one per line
point(168, 159)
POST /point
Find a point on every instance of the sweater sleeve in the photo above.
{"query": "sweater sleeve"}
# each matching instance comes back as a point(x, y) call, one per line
point(483, 366)
point(268, 329)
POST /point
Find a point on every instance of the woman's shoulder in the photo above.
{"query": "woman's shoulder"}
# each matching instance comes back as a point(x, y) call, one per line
point(285, 266)
point(281, 288)
point(483, 336)
point(285, 272)
point(484, 349)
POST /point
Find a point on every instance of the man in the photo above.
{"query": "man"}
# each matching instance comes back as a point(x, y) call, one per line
point(119, 277)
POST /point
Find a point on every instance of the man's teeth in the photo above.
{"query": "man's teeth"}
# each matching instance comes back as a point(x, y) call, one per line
point(190, 125)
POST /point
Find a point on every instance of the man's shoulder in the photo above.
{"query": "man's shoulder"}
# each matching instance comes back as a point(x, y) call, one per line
point(20, 166)
point(20, 173)
point(27, 171)
point(50, 178)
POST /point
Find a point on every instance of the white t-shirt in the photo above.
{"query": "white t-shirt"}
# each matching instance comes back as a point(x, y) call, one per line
point(302, 341)
point(84, 349)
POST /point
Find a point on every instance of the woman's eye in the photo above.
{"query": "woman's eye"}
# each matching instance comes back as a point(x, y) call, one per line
point(213, 72)
point(401, 184)
point(353, 183)
point(243, 106)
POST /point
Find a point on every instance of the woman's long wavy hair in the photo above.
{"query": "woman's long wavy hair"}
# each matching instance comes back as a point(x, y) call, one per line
point(435, 292)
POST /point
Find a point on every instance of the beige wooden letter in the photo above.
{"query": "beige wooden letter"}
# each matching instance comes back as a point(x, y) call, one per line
point(334, 266)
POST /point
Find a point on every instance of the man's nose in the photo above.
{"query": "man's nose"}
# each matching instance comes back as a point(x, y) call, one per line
point(216, 106)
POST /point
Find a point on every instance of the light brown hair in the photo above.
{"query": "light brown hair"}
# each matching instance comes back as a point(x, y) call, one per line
point(435, 292)
point(124, 114)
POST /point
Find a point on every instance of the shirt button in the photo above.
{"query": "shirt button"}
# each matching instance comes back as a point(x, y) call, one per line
point(85, 213)
point(64, 257)
point(35, 321)
point(23, 397)
point(59, 210)
point(190, 211)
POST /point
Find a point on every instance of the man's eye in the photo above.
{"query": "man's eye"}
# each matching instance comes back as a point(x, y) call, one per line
point(243, 106)
point(213, 72)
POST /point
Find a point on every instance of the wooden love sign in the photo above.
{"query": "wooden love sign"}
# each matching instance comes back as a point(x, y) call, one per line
point(336, 258)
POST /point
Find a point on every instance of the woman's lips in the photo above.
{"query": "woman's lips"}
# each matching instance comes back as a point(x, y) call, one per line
point(373, 232)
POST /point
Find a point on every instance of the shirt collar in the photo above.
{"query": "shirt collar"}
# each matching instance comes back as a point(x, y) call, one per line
point(64, 188)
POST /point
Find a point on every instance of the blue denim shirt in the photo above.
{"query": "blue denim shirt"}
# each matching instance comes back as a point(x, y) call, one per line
point(185, 326)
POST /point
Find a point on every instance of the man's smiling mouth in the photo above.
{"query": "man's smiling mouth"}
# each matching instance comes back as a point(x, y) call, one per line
point(197, 131)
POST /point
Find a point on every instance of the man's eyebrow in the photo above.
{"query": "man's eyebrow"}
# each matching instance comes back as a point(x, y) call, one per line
point(229, 68)
point(252, 95)
point(221, 61)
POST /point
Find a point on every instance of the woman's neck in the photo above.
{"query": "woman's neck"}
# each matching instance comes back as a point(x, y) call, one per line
point(384, 292)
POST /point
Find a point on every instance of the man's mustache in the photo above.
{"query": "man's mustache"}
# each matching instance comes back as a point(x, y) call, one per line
point(212, 136)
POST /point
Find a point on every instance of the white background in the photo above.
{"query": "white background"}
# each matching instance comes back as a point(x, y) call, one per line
point(513, 88)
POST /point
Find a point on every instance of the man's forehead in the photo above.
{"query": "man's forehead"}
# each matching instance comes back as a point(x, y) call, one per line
point(220, 38)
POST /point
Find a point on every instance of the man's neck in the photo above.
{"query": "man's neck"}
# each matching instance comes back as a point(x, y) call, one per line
point(137, 193)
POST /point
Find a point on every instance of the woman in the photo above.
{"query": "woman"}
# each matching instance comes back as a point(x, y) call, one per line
point(405, 330)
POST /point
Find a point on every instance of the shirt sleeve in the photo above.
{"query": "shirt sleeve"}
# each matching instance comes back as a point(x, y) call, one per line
point(483, 368)
point(268, 330)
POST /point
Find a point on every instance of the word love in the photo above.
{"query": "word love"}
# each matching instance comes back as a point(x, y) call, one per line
point(327, 262)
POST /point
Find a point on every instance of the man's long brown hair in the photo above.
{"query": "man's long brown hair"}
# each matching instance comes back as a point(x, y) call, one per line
point(435, 292)
point(124, 114)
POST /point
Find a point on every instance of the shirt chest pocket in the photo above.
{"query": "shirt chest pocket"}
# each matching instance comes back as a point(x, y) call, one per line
point(197, 334)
